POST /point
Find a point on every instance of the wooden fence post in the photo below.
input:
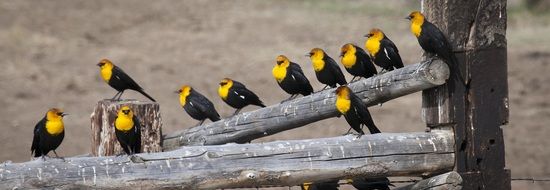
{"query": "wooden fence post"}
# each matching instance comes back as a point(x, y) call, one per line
point(104, 142)
point(477, 32)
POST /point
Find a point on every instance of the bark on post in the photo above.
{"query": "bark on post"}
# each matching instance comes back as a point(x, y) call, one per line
point(302, 111)
point(104, 142)
point(446, 181)
point(477, 31)
point(285, 163)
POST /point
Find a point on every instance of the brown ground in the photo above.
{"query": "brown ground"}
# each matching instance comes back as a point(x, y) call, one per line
point(49, 51)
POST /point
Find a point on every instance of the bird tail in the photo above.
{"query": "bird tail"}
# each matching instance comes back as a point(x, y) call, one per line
point(260, 103)
point(456, 71)
point(308, 90)
point(146, 95)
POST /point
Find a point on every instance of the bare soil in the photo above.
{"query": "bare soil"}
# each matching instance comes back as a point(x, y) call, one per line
point(49, 49)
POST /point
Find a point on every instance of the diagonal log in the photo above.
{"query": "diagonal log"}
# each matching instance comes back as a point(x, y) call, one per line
point(302, 111)
point(283, 163)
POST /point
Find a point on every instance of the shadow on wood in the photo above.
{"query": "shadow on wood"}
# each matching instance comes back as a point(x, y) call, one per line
point(104, 142)
point(446, 181)
point(285, 163)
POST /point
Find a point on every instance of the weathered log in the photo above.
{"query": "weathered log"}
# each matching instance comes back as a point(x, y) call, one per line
point(285, 163)
point(301, 111)
point(104, 142)
point(446, 181)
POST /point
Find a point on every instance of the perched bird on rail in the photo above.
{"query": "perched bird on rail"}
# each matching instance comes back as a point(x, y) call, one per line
point(356, 61)
point(433, 41)
point(197, 105)
point(118, 79)
point(382, 50)
point(48, 133)
point(354, 110)
point(128, 130)
point(329, 185)
point(291, 78)
point(381, 183)
point(236, 95)
point(326, 69)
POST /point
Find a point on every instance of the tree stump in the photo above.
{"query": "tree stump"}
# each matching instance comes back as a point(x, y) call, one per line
point(104, 142)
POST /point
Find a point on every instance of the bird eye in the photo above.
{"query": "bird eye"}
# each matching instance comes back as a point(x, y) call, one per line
point(179, 91)
point(279, 62)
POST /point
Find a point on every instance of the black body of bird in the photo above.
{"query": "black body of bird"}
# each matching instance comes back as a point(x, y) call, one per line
point(356, 61)
point(197, 105)
point(326, 69)
point(291, 78)
point(383, 51)
point(128, 131)
point(354, 110)
point(48, 133)
point(118, 79)
point(433, 41)
point(236, 95)
point(382, 183)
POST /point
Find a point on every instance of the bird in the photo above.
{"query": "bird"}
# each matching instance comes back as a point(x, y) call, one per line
point(128, 130)
point(381, 183)
point(356, 61)
point(48, 133)
point(291, 78)
point(433, 41)
point(197, 105)
point(118, 79)
point(382, 50)
point(329, 185)
point(326, 69)
point(236, 95)
point(354, 110)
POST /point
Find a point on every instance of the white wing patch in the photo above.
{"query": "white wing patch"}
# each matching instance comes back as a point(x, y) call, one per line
point(293, 78)
point(386, 52)
point(241, 96)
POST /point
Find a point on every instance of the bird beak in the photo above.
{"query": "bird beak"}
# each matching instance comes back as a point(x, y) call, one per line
point(177, 91)
point(408, 18)
point(98, 64)
point(64, 114)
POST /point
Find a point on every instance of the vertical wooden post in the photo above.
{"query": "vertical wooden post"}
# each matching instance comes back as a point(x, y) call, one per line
point(477, 32)
point(104, 142)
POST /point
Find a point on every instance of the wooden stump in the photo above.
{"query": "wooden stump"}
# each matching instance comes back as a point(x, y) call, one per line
point(104, 142)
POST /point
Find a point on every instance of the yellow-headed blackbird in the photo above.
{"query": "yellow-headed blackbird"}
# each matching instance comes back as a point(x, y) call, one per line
point(118, 79)
point(236, 95)
point(48, 133)
point(128, 130)
point(381, 183)
point(382, 50)
point(197, 105)
point(326, 69)
point(433, 41)
point(329, 185)
point(291, 78)
point(356, 61)
point(354, 110)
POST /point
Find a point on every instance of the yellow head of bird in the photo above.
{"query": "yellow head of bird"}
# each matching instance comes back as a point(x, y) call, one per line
point(375, 33)
point(416, 17)
point(342, 92)
point(55, 114)
point(223, 90)
point(126, 112)
point(316, 53)
point(282, 60)
point(225, 82)
point(105, 63)
point(346, 48)
point(184, 91)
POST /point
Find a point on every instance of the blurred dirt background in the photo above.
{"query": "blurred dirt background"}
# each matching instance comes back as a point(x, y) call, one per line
point(49, 50)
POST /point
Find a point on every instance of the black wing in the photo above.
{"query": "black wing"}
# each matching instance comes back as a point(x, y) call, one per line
point(298, 74)
point(247, 95)
point(205, 106)
point(363, 113)
point(366, 61)
point(137, 131)
point(120, 74)
point(392, 52)
point(336, 71)
point(35, 147)
point(433, 40)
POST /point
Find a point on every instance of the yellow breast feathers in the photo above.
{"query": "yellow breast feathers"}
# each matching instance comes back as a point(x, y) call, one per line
point(373, 42)
point(316, 55)
point(343, 103)
point(417, 19)
point(348, 57)
point(106, 69)
point(279, 71)
point(184, 91)
point(54, 121)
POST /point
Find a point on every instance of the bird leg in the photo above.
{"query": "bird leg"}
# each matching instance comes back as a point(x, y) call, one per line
point(348, 132)
point(237, 111)
point(324, 88)
point(290, 98)
point(120, 96)
point(200, 122)
point(56, 156)
point(352, 79)
point(113, 99)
